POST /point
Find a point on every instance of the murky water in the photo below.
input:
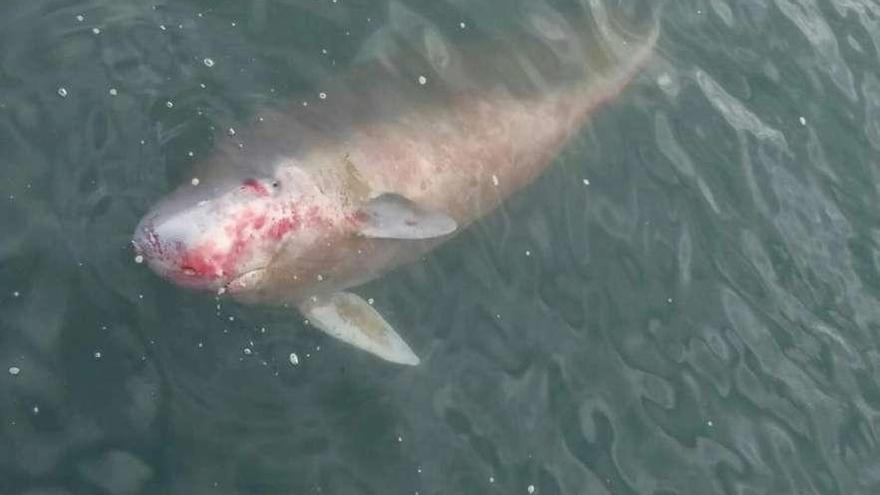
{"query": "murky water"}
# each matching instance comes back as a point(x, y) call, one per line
point(686, 302)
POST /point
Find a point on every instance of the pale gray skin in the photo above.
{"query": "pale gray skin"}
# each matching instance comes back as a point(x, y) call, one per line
point(459, 156)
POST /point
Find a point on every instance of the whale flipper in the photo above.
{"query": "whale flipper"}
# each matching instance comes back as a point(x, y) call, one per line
point(391, 216)
point(352, 320)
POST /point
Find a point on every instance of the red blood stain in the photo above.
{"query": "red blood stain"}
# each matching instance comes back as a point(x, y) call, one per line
point(314, 218)
point(198, 262)
point(283, 226)
point(256, 187)
point(207, 262)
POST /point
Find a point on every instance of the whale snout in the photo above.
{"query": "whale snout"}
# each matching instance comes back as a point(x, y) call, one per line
point(172, 248)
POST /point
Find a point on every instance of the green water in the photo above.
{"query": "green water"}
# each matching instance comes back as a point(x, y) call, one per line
point(686, 303)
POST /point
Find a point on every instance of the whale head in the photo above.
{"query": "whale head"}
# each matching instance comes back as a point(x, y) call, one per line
point(211, 236)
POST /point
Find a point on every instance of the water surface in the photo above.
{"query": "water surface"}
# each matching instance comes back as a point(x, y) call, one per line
point(686, 303)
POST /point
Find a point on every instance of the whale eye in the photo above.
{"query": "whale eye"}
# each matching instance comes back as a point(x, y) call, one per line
point(276, 184)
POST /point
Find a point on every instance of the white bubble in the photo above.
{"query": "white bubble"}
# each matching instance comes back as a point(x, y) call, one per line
point(62, 92)
point(399, 439)
point(113, 92)
point(248, 351)
point(36, 409)
point(80, 18)
point(491, 479)
point(294, 359)
point(139, 259)
point(97, 354)
point(162, 27)
point(495, 180)
point(14, 370)
point(528, 253)
point(531, 489)
point(231, 131)
point(322, 95)
point(803, 121)
point(320, 278)
point(208, 62)
point(462, 25)
point(16, 294)
point(423, 80)
point(169, 104)
point(195, 180)
point(586, 182)
point(664, 80)
point(96, 30)
point(370, 301)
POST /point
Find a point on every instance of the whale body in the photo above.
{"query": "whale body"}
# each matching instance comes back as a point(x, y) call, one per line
point(310, 202)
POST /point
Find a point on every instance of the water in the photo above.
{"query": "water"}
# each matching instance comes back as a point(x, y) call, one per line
point(687, 302)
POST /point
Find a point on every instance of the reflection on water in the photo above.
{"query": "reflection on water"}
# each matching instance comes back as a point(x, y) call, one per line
point(685, 303)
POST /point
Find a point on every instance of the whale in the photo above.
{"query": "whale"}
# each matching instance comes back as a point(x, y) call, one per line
point(312, 199)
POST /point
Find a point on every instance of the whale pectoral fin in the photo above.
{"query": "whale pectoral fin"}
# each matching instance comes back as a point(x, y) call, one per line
point(392, 216)
point(350, 319)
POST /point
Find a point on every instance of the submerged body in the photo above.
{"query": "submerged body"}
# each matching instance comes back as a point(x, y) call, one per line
point(342, 208)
